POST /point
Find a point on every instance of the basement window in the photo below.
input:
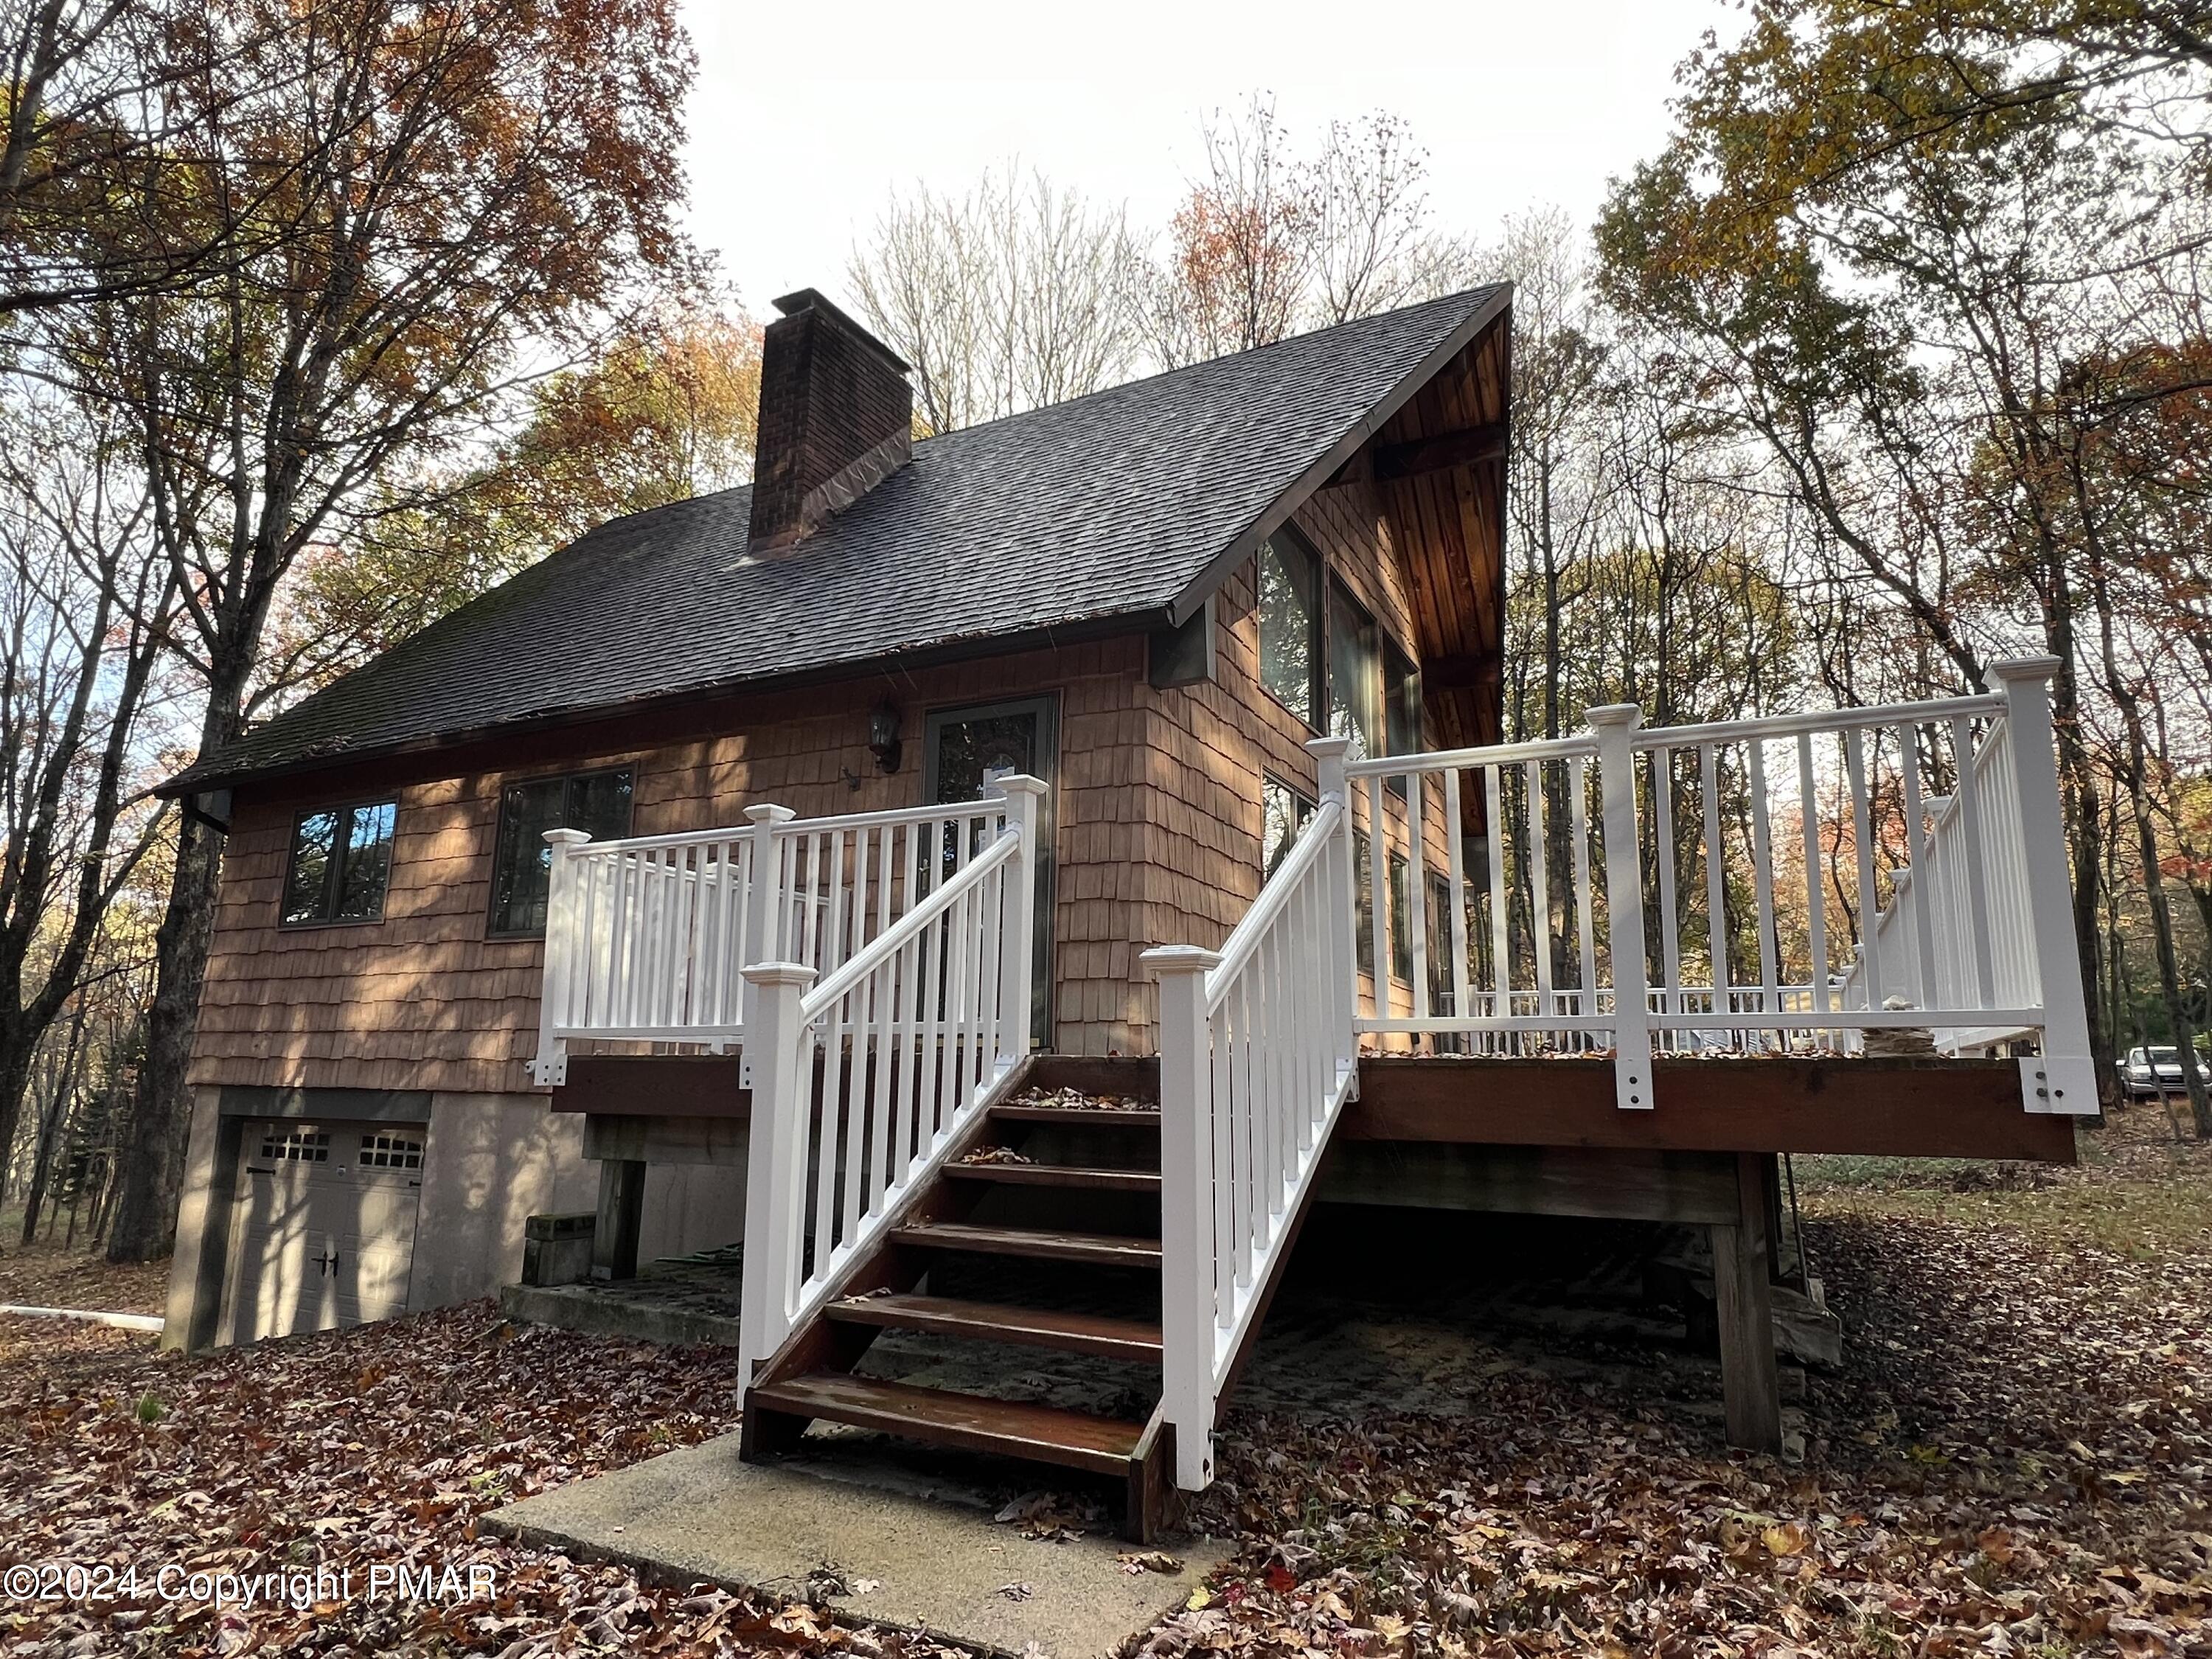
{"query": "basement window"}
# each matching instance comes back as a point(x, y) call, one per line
point(341, 861)
point(1290, 624)
point(598, 803)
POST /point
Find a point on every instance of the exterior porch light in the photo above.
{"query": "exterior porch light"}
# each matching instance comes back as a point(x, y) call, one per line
point(883, 735)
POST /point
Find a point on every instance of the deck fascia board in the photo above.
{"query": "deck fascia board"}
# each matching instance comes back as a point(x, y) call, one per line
point(1901, 1108)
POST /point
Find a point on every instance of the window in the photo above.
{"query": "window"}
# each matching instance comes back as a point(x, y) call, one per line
point(596, 803)
point(1283, 813)
point(382, 1150)
point(1362, 903)
point(1441, 944)
point(1290, 624)
point(1401, 923)
point(300, 1146)
point(341, 861)
point(1402, 701)
point(1355, 675)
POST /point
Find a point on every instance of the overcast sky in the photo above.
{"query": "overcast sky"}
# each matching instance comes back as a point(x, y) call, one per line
point(1518, 105)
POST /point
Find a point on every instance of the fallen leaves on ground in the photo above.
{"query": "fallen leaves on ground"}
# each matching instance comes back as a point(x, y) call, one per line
point(46, 1274)
point(348, 1451)
point(2016, 1459)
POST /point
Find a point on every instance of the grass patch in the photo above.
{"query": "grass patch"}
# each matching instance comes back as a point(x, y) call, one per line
point(2136, 1191)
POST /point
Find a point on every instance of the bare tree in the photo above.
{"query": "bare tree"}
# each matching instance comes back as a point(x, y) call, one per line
point(1015, 294)
point(1269, 242)
point(85, 608)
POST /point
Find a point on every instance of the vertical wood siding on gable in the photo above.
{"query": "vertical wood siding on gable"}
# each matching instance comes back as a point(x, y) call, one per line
point(424, 1000)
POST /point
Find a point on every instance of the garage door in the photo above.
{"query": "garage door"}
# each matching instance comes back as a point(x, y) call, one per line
point(326, 1236)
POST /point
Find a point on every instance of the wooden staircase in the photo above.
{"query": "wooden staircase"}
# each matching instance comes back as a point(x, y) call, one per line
point(1042, 1232)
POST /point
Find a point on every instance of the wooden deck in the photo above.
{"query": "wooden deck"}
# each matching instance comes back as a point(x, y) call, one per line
point(1931, 1108)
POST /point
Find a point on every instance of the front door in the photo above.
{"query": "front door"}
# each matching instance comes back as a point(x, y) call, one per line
point(964, 749)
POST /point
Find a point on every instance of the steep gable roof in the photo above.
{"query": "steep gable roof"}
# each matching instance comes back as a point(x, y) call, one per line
point(1130, 502)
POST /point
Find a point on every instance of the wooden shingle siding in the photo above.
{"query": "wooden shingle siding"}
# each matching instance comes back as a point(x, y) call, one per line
point(1158, 809)
point(1212, 742)
point(421, 999)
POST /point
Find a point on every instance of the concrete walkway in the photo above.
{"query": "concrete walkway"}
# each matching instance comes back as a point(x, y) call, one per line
point(912, 1563)
point(91, 1316)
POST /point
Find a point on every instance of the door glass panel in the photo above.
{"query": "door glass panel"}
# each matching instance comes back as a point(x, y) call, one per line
point(966, 751)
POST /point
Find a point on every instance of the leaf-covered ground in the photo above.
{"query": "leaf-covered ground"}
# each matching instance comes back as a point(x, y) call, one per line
point(2017, 1459)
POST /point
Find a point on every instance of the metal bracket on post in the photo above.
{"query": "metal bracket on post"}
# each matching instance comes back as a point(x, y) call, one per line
point(1614, 725)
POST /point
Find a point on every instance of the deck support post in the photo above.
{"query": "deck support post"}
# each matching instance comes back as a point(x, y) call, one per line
point(1743, 1257)
point(1615, 724)
point(621, 1218)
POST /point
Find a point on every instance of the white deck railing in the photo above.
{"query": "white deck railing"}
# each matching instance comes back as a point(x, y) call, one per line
point(645, 937)
point(1257, 1057)
point(1710, 888)
point(865, 1076)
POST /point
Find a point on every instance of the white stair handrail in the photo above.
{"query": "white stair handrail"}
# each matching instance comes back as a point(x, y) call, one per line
point(1257, 1057)
point(914, 1034)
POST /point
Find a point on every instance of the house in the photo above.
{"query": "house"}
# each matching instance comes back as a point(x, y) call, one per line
point(733, 873)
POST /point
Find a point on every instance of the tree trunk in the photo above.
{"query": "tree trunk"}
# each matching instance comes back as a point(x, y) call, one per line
point(151, 1144)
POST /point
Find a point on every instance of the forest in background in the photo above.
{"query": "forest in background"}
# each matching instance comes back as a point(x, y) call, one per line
point(318, 320)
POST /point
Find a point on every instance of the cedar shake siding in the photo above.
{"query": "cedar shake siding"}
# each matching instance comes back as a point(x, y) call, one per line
point(423, 1000)
point(1157, 842)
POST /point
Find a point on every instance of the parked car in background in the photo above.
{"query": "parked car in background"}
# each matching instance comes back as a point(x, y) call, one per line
point(2152, 1072)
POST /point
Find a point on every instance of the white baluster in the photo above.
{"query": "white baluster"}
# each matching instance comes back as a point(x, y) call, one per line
point(1614, 725)
point(564, 948)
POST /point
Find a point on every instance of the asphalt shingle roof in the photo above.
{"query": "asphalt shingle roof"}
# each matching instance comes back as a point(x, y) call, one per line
point(1111, 504)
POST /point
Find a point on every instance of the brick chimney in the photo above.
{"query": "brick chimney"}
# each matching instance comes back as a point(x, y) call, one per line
point(837, 418)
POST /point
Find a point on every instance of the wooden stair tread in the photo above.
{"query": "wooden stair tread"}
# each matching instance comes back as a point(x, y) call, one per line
point(1149, 1118)
point(1105, 1249)
point(1044, 1434)
point(1038, 1328)
point(1058, 1174)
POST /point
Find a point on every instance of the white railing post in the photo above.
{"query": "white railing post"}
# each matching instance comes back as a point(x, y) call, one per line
point(1329, 756)
point(775, 1173)
point(2064, 1078)
point(1187, 1241)
point(1017, 975)
point(550, 1068)
point(764, 897)
point(1614, 726)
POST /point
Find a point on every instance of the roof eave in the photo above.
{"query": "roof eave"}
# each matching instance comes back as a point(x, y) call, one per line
point(1099, 625)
